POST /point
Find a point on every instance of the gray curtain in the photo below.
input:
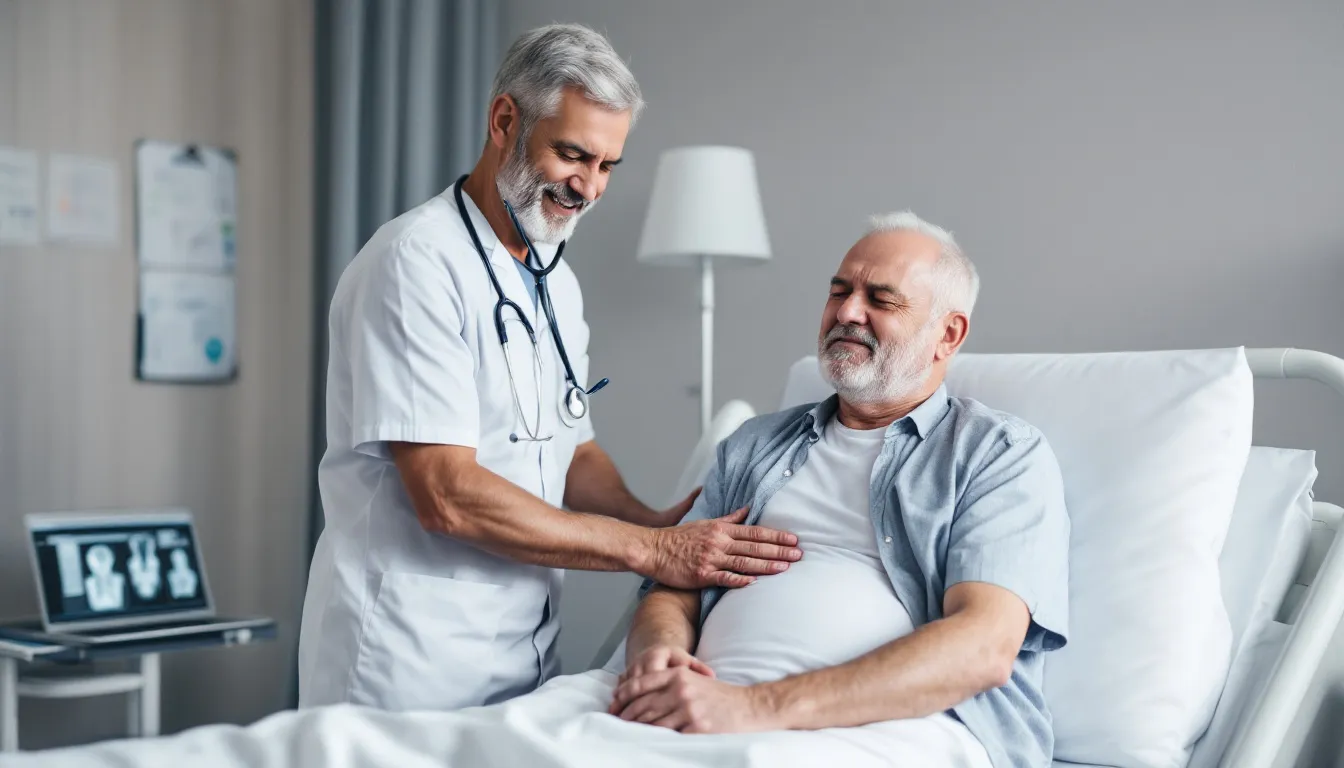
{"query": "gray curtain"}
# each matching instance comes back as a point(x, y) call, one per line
point(401, 91)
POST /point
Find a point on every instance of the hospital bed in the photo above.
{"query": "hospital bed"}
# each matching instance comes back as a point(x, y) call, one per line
point(1255, 715)
point(1278, 574)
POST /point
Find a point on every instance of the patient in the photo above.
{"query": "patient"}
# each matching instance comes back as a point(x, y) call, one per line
point(934, 574)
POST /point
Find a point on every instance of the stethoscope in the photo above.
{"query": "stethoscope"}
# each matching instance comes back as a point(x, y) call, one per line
point(574, 403)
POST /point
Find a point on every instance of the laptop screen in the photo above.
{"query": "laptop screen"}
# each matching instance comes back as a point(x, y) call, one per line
point(118, 569)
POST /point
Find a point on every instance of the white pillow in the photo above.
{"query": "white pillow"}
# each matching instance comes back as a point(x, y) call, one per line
point(1271, 524)
point(1151, 446)
point(1268, 537)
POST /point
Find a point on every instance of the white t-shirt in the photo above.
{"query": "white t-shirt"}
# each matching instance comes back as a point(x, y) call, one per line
point(835, 604)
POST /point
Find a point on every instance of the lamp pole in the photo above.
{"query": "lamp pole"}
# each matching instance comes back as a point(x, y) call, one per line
point(706, 342)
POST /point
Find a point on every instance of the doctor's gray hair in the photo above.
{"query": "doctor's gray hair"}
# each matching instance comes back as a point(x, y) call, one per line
point(956, 284)
point(543, 62)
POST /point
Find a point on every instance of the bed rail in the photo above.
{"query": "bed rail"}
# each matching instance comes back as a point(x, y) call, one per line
point(1259, 743)
point(1290, 363)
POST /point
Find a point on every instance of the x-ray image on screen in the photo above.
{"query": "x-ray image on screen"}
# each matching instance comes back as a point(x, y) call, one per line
point(105, 588)
point(182, 580)
point(108, 570)
point(144, 565)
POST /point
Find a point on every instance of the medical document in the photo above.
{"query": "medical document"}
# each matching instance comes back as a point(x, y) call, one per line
point(187, 326)
point(18, 197)
point(186, 198)
point(82, 201)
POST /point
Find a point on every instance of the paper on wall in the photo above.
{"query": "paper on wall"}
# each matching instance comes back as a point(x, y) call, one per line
point(82, 200)
point(19, 199)
point(188, 326)
point(187, 207)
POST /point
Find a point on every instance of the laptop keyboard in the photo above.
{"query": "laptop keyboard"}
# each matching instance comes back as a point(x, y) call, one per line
point(144, 628)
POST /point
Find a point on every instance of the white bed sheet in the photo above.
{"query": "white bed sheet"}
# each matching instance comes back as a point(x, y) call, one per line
point(563, 725)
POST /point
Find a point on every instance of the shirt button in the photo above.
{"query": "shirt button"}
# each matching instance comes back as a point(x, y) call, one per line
point(886, 540)
point(788, 473)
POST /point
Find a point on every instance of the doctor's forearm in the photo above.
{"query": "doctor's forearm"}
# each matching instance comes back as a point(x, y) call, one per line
point(454, 495)
point(593, 484)
point(499, 517)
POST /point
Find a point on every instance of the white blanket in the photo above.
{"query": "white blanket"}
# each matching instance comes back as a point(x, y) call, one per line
point(562, 725)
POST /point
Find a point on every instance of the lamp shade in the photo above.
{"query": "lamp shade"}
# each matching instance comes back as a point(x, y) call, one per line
point(705, 202)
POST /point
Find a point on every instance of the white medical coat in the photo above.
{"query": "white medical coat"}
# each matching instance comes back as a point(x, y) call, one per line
point(396, 617)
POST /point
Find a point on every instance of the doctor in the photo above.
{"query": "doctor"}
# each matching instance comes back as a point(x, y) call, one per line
point(436, 581)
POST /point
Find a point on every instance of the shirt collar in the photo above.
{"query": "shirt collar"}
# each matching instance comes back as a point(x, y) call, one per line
point(499, 255)
point(928, 413)
point(924, 417)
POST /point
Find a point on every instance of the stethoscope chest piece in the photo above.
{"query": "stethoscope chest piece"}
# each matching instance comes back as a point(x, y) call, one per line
point(576, 405)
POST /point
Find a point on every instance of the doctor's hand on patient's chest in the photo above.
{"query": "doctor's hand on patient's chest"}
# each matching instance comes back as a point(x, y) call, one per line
point(718, 553)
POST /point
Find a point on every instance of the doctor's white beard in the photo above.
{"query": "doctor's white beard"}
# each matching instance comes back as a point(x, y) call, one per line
point(891, 372)
point(523, 186)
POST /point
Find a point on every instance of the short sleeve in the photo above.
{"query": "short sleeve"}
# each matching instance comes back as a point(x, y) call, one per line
point(1011, 529)
point(586, 432)
point(412, 373)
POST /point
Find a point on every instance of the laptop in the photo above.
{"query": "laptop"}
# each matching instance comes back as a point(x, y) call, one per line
point(123, 576)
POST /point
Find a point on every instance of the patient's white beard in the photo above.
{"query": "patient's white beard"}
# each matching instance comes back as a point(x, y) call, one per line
point(892, 372)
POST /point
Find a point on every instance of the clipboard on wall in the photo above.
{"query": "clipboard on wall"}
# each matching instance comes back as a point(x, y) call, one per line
point(186, 248)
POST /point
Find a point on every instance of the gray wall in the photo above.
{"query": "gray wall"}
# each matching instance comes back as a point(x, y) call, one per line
point(1126, 176)
point(76, 430)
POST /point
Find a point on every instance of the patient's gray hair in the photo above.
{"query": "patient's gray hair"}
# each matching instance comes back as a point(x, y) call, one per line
point(955, 281)
point(542, 63)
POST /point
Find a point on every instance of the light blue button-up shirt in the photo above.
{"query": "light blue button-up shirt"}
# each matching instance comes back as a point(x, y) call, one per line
point(960, 492)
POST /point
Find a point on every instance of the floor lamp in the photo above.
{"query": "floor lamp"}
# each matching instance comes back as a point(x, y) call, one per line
point(705, 206)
